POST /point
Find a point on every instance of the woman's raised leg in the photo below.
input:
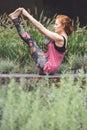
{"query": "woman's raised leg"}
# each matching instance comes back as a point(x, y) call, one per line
point(37, 54)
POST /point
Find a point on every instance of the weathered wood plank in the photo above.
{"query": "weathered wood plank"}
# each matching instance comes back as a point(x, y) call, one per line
point(41, 76)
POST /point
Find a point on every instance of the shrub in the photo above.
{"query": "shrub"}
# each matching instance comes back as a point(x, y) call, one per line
point(46, 106)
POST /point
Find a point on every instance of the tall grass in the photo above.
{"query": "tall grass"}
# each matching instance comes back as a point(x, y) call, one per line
point(14, 49)
point(45, 107)
point(77, 42)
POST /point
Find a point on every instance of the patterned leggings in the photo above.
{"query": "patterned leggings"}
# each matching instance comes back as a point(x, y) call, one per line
point(37, 54)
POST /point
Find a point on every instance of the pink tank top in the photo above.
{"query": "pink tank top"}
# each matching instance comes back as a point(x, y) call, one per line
point(54, 59)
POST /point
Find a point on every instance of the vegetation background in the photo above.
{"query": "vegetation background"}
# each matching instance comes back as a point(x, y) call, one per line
point(14, 53)
point(42, 104)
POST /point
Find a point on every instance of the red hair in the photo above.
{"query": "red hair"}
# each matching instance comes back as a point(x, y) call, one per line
point(66, 22)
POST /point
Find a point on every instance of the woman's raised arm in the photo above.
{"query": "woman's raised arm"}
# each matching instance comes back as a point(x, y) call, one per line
point(52, 35)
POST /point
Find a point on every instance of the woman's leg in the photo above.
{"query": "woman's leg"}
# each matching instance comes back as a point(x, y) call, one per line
point(35, 51)
point(26, 38)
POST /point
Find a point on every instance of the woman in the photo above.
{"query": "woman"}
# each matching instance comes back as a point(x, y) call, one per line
point(47, 63)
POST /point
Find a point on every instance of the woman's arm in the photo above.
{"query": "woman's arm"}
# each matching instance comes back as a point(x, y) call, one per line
point(52, 35)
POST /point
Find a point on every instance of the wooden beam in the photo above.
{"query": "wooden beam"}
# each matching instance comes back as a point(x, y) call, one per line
point(41, 76)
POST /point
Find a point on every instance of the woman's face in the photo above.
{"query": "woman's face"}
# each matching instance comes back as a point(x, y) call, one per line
point(58, 26)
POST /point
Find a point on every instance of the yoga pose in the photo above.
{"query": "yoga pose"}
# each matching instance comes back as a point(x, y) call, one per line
point(47, 63)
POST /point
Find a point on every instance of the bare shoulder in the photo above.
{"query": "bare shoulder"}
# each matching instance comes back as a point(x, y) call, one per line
point(61, 39)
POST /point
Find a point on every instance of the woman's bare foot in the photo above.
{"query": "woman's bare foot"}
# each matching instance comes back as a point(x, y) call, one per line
point(16, 13)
